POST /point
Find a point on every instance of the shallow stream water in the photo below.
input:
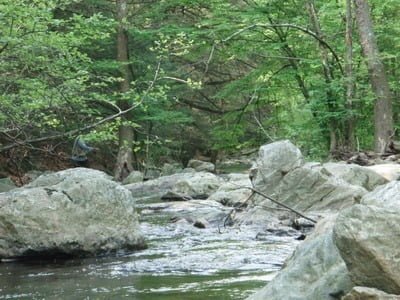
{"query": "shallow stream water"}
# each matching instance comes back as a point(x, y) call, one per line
point(181, 262)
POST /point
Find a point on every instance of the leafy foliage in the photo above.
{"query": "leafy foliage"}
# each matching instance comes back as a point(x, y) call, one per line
point(222, 75)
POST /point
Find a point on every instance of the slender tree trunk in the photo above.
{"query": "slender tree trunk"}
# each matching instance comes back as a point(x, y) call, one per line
point(350, 86)
point(328, 75)
point(383, 118)
point(124, 160)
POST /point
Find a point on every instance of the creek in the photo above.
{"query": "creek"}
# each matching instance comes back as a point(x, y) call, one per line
point(181, 262)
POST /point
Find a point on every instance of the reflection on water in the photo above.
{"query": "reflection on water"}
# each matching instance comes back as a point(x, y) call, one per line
point(182, 262)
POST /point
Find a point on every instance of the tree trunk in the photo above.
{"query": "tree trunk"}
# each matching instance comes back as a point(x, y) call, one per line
point(383, 118)
point(124, 160)
point(350, 87)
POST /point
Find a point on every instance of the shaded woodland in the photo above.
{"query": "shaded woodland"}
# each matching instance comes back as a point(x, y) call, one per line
point(149, 82)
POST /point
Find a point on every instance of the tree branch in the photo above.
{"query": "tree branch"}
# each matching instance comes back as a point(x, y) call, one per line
point(71, 132)
point(302, 29)
point(88, 127)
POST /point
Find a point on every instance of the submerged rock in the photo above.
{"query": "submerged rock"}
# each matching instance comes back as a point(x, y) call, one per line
point(76, 212)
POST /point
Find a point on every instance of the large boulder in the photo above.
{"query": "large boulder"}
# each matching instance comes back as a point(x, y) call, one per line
point(194, 185)
point(311, 189)
point(386, 196)
point(275, 161)
point(356, 175)
point(366, 235)
point(389, 171)
point(282, 174)
point(76, 212)
point(366, 293)
point(315, 271)
point(70, 175)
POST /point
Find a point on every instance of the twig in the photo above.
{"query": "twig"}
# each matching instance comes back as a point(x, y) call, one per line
point(175, 79)
point(262, 127)
point(209, 58)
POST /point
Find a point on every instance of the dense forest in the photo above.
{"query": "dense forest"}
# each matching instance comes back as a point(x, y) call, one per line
point(154, 80)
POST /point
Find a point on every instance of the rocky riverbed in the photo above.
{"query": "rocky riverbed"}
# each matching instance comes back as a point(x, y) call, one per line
point(181, 262)
point(208, 236)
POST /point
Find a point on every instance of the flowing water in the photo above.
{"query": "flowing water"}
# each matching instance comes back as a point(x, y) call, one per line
point(181, 262)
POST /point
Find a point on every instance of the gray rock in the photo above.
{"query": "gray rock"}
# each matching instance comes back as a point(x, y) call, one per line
point(389, 171)
point(173, 196)
point(315, 271)
point(234, 165)
point(152, 173)
point(356, 175)
point(171, 168)
point(187, 170)
point(233, 192)
point(76, 212)
point(366, 293)
point(308, 189)
point(74, 175)
point(274, 162)
point(283, 175)
point(195, 185)
point(201, 166)
point(133, 177)
point(204, 210)
point(385, 196)
point(367, 238)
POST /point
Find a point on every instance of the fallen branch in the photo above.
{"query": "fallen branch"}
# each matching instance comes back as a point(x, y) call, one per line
point(254, 191)
point(279, 203)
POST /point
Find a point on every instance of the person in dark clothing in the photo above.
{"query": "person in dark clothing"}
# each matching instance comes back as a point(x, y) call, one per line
point(80, 151)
